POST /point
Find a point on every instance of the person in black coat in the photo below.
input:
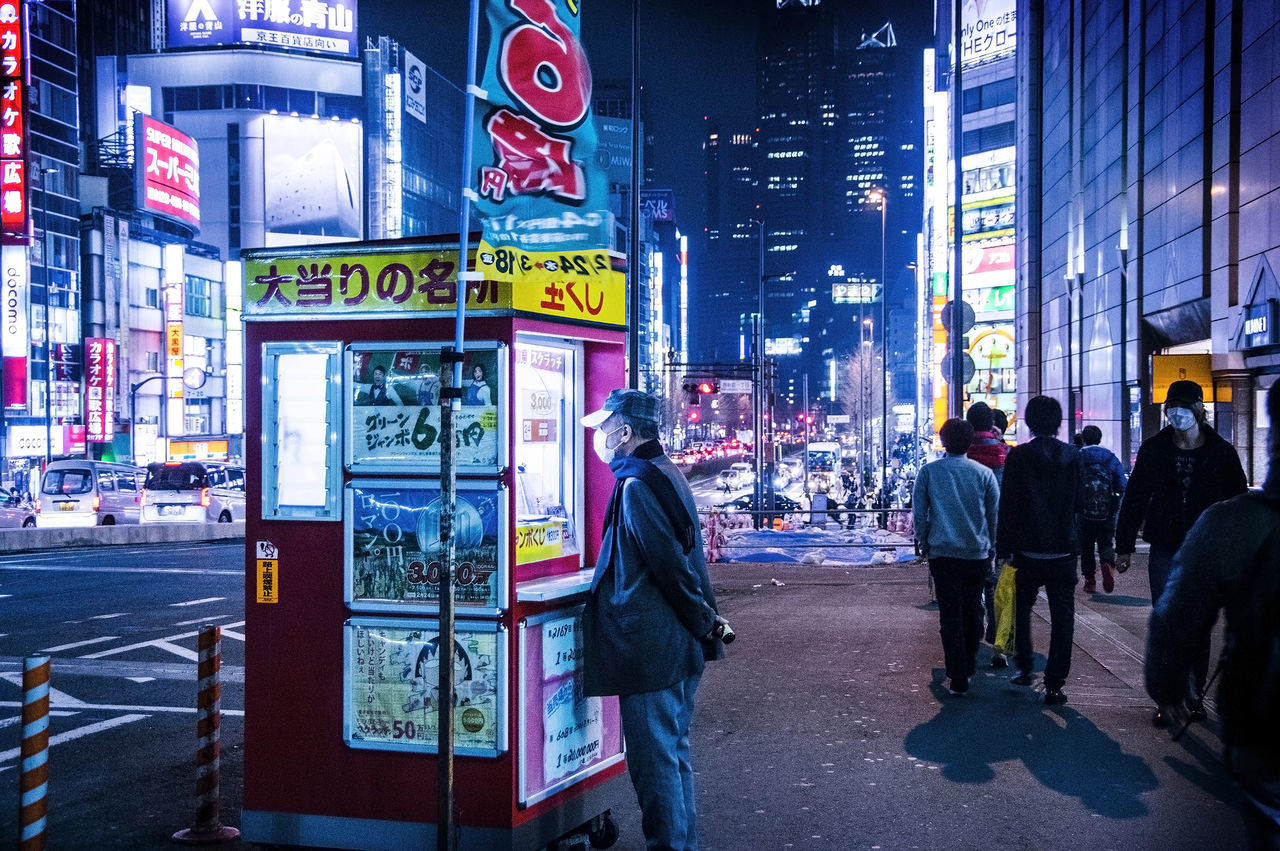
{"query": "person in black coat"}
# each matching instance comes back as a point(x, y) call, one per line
point(1180, 471)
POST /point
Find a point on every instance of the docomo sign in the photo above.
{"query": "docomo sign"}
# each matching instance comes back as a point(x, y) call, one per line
point(168, 171)
point(13, 142)
point(15, 341)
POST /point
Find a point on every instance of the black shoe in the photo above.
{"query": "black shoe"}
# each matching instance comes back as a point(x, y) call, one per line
point(1054, 696)
point(1025, 678)
point(955, 692)
point(999, 660)
point(1195, 709)
point(1160, 719)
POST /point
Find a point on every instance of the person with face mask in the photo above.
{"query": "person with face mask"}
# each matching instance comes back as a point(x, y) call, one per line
point(650, 623)
point(1180, 471)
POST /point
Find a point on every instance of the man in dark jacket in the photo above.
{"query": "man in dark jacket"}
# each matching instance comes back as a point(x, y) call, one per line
point(1037, 529)
point(1208, 574)
point(1103, 479)
point(1180, 471)
point(650, 623)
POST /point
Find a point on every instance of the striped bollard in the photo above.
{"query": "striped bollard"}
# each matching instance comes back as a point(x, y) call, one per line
point(34, 782)
point(207, 828)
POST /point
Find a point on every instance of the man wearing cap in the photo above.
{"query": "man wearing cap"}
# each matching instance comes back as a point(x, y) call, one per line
point(1180, 471)
point(650, 622)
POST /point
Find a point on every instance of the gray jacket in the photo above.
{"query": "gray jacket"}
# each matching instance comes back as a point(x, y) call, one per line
point(651, 605)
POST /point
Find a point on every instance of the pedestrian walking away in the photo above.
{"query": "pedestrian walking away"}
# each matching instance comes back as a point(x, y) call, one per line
point(1230, 560)
point(1180, 471)
point(1102, 482)
point(989, 449)
point(1037, 530)
point(650, 622)
point(954, 508)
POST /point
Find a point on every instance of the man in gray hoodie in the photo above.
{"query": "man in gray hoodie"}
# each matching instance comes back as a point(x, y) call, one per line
point(1038, 531)
point(954, 508)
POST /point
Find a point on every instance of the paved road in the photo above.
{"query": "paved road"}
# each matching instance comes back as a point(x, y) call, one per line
point(827, 727)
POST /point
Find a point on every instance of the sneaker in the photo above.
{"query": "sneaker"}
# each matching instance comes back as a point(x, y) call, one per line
point(999, 660)
point(1160, 719)
point(958, 688)
point(1090, 586)
point(1108, 577)
point(955, 692)
point(1024, 678)
point(1054, 696)
point(1122, 567)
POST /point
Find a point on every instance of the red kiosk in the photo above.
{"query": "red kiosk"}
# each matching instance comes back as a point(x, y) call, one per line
point(343, 547)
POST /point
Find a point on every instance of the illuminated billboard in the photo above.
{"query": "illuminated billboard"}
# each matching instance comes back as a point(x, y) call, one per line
point(313, 179)
point(167, 169)
point(13, 110)
point(988, 28)
point(100, 389)
point(15, 341)
point(320, 26)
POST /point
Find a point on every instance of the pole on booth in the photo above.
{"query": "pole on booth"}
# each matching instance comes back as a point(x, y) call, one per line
point(33, 783)
point(450, 403)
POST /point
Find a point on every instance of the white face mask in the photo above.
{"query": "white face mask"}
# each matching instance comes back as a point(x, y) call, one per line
point(600, 443)
point(1181, 418)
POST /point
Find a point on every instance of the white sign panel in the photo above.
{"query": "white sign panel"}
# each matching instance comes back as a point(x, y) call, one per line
point(415, 76)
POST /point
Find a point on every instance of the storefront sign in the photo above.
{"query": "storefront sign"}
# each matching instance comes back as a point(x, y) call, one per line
point(321, 26)
point(392, 676)
point(13, 110)
point(168, 171)
point(1260, 325)
point(394, 555)
point(15, 342)
point(565, 735)
point(1166, 369)
point(543, 195)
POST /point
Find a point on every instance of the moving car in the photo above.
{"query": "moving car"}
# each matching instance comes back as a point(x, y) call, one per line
point(193, 492)
point(89, 493)
point(15, 512)
point(746, 502)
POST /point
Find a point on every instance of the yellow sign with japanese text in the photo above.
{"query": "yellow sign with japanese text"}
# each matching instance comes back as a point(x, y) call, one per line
point(268, 580)
point(536, 541)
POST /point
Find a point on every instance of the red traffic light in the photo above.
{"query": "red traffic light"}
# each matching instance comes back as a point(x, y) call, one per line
point(706, 387)
point(694, 416)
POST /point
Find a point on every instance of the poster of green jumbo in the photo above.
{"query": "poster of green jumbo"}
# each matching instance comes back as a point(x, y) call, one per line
point(391, 686)
point(393, 409)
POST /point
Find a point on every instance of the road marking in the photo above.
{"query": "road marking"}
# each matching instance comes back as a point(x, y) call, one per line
point(71, 735)
point(198, 602)
point(109, 617)
point(17, 719)
point(113, 707)
point(78, 568)
point(166, 643)
point(74, 644)
point(141, 679)
point(227, 633)
point(205, 619)
point(62, 697)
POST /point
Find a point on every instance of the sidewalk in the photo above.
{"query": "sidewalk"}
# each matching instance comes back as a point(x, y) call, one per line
point(829, 726)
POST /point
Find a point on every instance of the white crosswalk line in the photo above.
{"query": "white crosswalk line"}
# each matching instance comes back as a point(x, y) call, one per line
point(71, 735)
point(84, 643)
point(198, 602)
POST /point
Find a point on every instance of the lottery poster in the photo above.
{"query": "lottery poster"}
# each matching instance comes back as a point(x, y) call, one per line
point(394, 555)
point(392, 686)
point(393, 408)
point(565, 735)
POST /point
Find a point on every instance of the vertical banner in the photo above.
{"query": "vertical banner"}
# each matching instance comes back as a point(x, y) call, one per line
point(15, 340)
point(542, 196)
point(100, 389)
point(13, 108)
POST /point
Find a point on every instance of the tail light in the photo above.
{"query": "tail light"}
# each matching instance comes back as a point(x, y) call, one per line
point(97, 502)
point(204, 497)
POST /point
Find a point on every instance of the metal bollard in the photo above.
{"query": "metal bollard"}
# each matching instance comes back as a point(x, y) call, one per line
point(207, 828)
point(34, 782)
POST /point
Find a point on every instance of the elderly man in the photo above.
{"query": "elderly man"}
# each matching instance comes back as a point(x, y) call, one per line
point(650, 623)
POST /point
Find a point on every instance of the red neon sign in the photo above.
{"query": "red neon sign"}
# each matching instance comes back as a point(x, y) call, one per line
point(13, 142)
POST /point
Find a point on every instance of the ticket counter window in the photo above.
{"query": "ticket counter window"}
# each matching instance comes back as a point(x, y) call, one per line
point(301, 411)
point(547, 463)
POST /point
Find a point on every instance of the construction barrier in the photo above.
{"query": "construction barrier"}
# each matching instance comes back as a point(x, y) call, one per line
point(33, 785)
point(208, 828)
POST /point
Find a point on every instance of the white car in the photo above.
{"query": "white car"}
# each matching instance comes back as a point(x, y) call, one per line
point(193, 492)
point(16, 512)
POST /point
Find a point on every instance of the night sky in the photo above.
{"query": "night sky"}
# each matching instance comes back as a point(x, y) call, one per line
point(697, 59)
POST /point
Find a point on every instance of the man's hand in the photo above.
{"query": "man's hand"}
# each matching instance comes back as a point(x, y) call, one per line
point(1122, 561)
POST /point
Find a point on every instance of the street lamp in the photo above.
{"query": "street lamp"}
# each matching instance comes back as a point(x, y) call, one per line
point(878, 194)
point(48, 307)
point(133, 415)
point(760, 486)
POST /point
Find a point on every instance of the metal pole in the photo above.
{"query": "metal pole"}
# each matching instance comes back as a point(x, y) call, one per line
point(884, 365)
point(48, 308)
point(633, 267)
point(758, 397)
point(957, 287)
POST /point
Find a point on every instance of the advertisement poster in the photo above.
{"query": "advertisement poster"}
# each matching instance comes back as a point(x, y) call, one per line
point(565, 736)
point(393, 415)
point(316, 26)
point(392, 676)
point(312, 174)
point(394, 554)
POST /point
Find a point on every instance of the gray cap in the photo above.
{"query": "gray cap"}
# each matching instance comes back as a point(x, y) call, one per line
point(631, 403)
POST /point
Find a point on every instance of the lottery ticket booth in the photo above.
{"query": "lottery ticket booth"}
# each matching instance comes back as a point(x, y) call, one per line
point(343, 550)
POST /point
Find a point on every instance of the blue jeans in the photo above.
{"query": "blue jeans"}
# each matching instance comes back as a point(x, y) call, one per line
point(1058, 576)
point(957, 583)
point(656, 726)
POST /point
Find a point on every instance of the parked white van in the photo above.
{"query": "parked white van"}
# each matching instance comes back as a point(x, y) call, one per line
point(193, 492)
point(89, 493)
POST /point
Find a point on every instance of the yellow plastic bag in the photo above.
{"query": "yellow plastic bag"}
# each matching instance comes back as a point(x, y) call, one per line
point(1004, 604)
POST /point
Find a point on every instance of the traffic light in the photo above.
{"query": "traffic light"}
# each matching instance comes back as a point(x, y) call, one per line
point(709, 386)
point(690, 389)
point(694, 415)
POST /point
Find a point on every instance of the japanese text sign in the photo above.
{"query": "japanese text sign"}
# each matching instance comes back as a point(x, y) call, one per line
point(541, 191)
point(320, 26)
point(13, 142)
point(167, 164)
point(100, 388)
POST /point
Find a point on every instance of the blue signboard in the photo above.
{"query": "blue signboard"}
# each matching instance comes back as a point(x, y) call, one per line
point(319, 26)
point(1259, 324)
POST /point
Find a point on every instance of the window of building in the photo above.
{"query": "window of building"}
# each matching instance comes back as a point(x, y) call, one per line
point(989, 138)
point(199, 298)
point(990, 95)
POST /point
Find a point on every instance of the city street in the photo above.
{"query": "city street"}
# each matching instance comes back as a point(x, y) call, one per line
point(828, 725)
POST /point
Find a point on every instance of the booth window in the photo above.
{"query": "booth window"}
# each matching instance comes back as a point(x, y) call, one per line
point(301, 453)
point(547, 469)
